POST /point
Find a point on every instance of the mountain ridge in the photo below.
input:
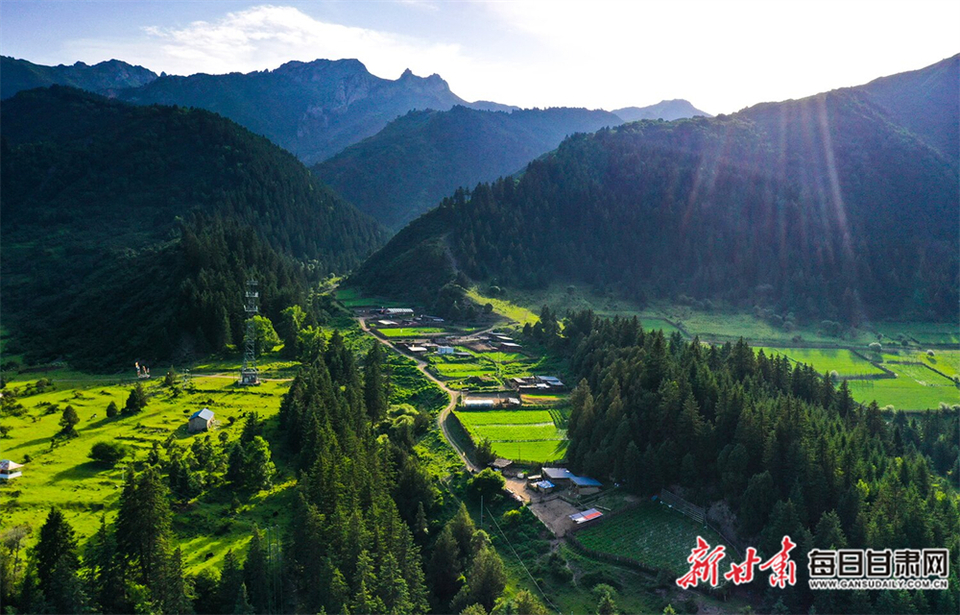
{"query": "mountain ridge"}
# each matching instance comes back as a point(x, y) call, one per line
point(813, 206)
point(103, 77)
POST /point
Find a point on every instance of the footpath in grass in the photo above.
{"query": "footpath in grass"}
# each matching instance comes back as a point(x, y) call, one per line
point(652, 534)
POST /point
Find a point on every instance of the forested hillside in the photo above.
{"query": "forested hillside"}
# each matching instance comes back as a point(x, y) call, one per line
point(418, 159)
point(129, 231)
point(824, 207)
point(102, 77)
point(924, 101)
point(775, 449)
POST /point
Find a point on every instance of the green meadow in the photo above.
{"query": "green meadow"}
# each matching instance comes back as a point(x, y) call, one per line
point(825, 360)
point(61, 473)
point(920, 332)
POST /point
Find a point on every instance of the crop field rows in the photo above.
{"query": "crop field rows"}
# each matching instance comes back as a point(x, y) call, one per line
point(491, 364)
point(652, 534)
point(529, 435)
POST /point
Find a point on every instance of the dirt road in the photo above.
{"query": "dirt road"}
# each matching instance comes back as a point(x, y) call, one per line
point(454, 396)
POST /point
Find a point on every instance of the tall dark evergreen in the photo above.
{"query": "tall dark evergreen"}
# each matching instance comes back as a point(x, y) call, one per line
point(375, 384)
point(143, 527)
point(57, 564)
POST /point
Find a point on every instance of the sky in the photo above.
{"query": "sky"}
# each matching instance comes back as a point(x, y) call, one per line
point(720, 55)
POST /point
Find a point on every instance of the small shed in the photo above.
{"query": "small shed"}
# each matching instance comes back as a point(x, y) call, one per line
point(9, 469)
point(479, 403)
point(500, 463)
point(544, 486)
point(585, 516)
point(445, 350)
point(200, 421)
point(585, 485)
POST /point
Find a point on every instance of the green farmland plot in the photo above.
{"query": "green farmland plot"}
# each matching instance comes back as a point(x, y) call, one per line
point(467, 369)
point(529, 435)
point(401, 332)
point(523, 433)
point(651, 534)
point(539, 451)
point(945, 361)
point(904, 392)
point(504, 417)
point(825, 360)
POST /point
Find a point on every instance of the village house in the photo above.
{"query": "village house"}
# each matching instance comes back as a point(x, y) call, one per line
point(537, 384)
point(9, 469)
point(201, 420)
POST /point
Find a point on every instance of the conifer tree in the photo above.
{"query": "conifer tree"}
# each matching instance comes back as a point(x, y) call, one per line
point(374, 384)
point(56, 546)
point(143, 525)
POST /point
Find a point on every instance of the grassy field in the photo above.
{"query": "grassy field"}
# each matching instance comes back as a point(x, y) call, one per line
point(479, 418)
point(63, 476)
point(530, 435)
point(505, 308)
point(904, 392)
point(826, 360)
point(652, 534)
point(921, 332)
point(399, 332)
point(540, 451)
point(945, 361)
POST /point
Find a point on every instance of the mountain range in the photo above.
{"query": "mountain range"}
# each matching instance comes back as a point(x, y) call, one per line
point(842, 205)
point(355, 127)
point(18, 75)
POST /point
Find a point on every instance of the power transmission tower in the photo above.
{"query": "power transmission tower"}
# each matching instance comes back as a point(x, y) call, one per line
point(249, 374)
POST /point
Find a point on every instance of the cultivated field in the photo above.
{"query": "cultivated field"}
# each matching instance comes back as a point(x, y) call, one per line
point(529, 435)
point(651, 534)
point(402, 332)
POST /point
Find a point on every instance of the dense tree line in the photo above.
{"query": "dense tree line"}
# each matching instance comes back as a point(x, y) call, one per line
point(820, 207)
point(143, 222)
point(783, 449)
